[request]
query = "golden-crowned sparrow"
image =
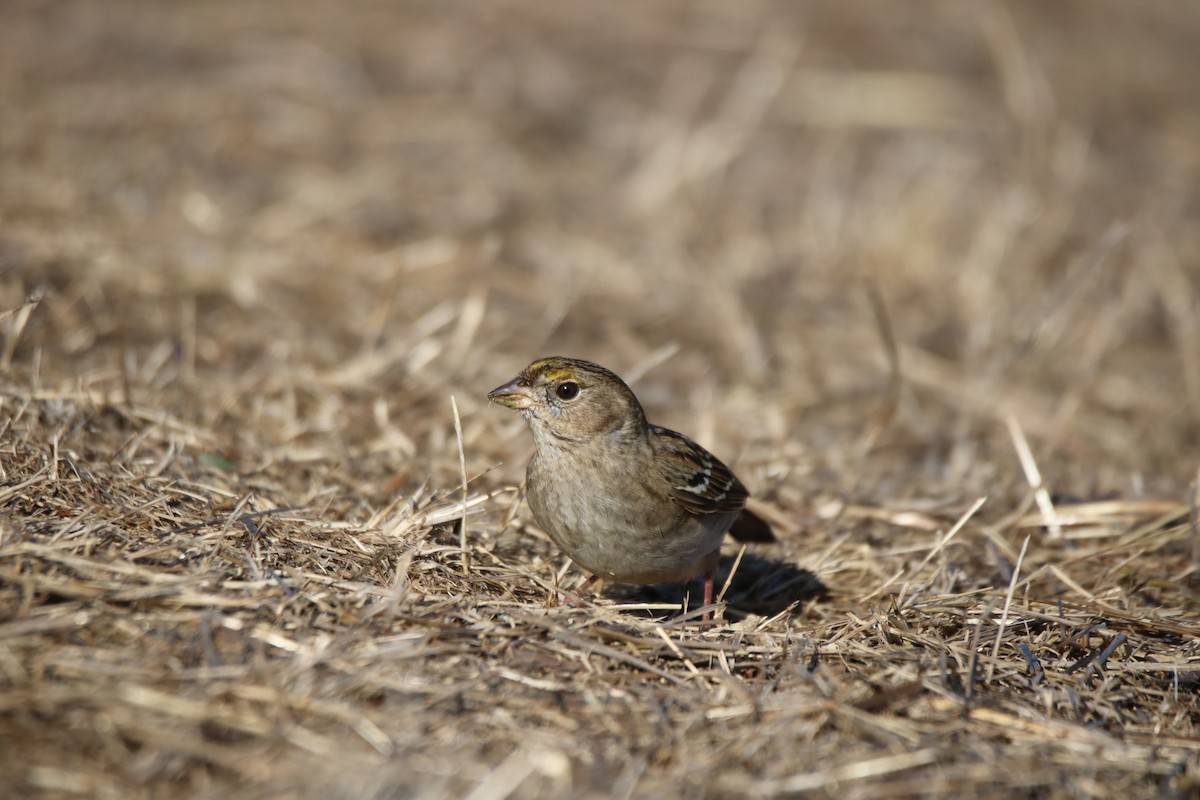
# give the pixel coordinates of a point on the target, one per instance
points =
(627, 500)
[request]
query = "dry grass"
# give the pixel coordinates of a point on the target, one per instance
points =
(925, 273)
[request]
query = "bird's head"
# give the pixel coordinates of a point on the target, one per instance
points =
(572, 401)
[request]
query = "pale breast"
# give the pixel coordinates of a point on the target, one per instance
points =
(615, 526)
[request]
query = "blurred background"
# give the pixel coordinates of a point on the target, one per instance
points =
(803, 230)
(408, 198)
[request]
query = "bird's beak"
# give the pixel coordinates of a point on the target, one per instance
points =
(515, 394)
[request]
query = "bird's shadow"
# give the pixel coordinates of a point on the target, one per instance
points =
(760, 586)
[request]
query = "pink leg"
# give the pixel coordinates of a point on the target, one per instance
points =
(573, 598)
(708, 593)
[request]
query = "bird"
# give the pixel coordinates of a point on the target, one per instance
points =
(627, 500)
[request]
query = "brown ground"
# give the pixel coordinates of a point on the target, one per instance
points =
(889, 260)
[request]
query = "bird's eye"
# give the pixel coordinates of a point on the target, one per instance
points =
(568, 390)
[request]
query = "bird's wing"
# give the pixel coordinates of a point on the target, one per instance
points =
(699, 482)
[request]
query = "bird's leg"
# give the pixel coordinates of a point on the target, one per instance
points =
(573, 599)
(708, 594)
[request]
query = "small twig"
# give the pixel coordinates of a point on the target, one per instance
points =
(937, 548)
(1036, 672)
(1034, 476)
(1012, 587)
(1081, 663)
(973, 666)
(652, 361)
(462, 466)
(244, 518)
(885, 413)
(16, 327)
(733, 571)
(587, 646)
(1117, 641)
(675, 649)
(236, 514)
(1196, 521)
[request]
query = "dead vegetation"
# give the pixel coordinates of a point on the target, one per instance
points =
(926, 274)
